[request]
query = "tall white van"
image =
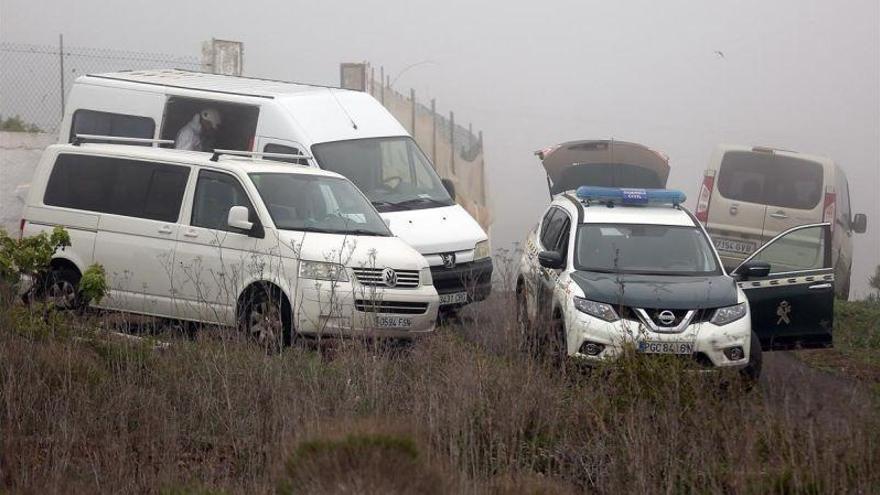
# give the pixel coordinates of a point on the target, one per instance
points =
(344, 131)
(750, 195)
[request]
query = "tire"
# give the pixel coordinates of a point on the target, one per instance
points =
(523, 323)
(60, 289)
(555, 345)
(266, 320)
(752, 372)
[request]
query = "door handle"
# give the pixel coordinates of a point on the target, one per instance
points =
(779, 214)
(191, 233)
(165, 230)
(820, 286)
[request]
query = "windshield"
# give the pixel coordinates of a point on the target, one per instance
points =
(644, 249)
(317, 204)
(393, 172)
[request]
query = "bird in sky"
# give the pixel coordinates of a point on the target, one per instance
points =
(719, 53)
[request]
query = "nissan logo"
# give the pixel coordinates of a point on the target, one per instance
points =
(389, 276)
(666, 317)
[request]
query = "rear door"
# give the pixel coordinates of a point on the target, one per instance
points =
(793, 307)
(737, 211)
(793, 194)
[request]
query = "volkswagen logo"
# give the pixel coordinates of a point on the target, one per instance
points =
(389, 276)
(448, 259)
(666, 317)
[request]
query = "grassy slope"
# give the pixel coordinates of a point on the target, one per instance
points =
(460, 412)
(856, 350)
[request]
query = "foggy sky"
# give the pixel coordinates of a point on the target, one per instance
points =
(796, 74)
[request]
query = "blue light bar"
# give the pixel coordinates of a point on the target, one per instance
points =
(631, 196)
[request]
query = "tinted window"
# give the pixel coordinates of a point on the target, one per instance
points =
(288, 150)
(770, 179)
(215, 194)
(111, 124)
(844, 215)
(117, 186)
(550, 234)
(646, 249)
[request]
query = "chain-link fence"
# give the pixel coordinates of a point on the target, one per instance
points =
(35, 79)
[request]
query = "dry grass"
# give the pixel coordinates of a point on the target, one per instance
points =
(459, 412)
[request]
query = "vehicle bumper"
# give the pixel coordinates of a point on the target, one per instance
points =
(709, 340)
(474, 278)
(355, 311)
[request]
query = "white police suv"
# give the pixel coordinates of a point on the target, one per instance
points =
(611, 267)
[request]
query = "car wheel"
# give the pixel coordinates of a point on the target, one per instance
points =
(524, 325)
(752, 372)
(556, 343)
(266, 321)
(60, 289)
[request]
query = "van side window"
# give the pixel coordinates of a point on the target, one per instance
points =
(111, 124)
(288, 150)
(216, 193)
(235, 130)
(843, 214)
(117, 186)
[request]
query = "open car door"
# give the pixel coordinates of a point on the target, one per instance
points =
(789, 283)
(604, 163)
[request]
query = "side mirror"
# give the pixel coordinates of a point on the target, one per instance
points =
(238, 218)
(551, 259)
(860, 223)
(753, 269)
(450, 187)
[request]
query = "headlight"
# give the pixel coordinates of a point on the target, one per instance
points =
(482, 250)
(597, 309)
(322, 270)
(728, 314)
(425, 277)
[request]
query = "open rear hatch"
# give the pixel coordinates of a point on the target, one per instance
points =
(605, 163)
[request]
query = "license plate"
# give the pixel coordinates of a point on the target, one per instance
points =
(453, 298)
(385, 321)
(666, 347)
(734, 245)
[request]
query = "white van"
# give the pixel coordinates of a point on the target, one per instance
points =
(749, 195)
(344, 131)
(276, 249)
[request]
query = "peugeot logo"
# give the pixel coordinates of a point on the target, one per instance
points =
(666, 317)
(389, 276)
(448, 259)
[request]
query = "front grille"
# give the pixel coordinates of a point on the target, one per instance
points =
(700, 316)
(392, 307)
(373, 277)
(466, 276)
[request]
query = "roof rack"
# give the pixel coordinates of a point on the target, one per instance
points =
(256, 154)
(96, 138)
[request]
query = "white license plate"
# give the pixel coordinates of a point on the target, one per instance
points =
(734, 245)
(453, 298)
(648, 347)
(385, 321)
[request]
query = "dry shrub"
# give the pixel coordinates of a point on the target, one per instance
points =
(380, 459)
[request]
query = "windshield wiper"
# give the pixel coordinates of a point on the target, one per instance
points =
(413, 201)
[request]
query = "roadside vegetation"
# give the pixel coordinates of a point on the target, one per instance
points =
(17, 124)
(84, 409)
(856, 350)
